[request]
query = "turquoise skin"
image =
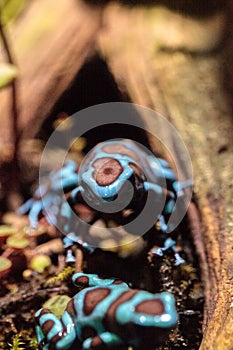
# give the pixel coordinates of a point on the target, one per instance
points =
(141, 169)
(154, 168)
(107, 313)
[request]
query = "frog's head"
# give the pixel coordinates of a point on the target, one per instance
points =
(113, 179)
(151, 318)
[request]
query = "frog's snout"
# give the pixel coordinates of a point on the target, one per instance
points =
(110, 199)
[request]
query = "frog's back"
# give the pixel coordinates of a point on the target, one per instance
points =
(120, 148)
(91, 305)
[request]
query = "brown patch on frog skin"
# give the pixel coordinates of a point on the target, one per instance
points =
(46, 326)
(97, 343)
(107, 171)
(88, 332)
(93, 298)
(82, 281)
(117, 282)
(70, 308)
(150, 307)
(109, 320)
(43, 312)
(57, 337)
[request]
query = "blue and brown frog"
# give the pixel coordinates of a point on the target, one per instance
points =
(105, 314)
(111, 173)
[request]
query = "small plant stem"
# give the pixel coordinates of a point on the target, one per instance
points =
(79, 260)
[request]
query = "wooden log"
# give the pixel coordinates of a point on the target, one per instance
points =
(228, 53)
(183, 80)
(51, 41)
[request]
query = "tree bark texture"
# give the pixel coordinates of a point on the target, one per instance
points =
(51, 41)
(185, 83)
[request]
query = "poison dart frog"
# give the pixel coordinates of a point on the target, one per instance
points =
(105, 314)
(111, 173)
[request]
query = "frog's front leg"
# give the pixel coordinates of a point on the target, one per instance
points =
(34, 206)
(158, 190)
(66, 220)
(49, 195)
(66, 213)
(59, 334)
(94, 280)
(180, 186)
(168, 209)
(66, 178)
(102, 341)
(163, 194)
(161, 168)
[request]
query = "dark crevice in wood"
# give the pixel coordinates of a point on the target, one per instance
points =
(187, 7)
(94, 84)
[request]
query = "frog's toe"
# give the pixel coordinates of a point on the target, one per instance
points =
(101, 342)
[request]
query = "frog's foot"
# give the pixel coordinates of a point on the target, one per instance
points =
(162, 222)
(54, 332)
(180, 186)
(161, 168)
(48, 206)
(102, 341)
(70, 258)
(93, 280)
(170, 244)
(34, 207)
(25, 207)
(70, 240)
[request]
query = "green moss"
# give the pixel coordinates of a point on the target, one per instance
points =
(57, 304)
(62, 276)
(33, 344)
(17, 343)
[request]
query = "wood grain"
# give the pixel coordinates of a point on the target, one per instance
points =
(51, 41)
(185, 84)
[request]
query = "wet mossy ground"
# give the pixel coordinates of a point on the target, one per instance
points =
(20, 299)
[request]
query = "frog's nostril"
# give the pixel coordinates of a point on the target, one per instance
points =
(107, 172)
